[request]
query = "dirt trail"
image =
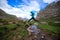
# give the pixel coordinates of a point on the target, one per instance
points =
(40, 36)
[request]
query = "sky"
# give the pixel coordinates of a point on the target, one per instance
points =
(22, 8)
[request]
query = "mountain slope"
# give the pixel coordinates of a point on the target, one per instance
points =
(51, 11)
(5, 15)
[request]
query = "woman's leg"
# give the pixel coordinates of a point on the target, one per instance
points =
(30, 19)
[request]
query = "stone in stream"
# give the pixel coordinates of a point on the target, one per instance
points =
(33, 30)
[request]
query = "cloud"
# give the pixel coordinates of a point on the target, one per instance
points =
(23, 10)
(49, 1)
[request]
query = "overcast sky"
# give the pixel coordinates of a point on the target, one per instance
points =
(22, 8)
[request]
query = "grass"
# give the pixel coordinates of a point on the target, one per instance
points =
(8, 27)
(9, 31)
(50, 29)
(23, 33)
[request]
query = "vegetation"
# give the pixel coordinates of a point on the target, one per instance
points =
(8, 31)
(11, 27)
(52, 18)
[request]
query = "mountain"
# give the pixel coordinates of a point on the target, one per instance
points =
(7, 18)
(5, 15)
(51, 11)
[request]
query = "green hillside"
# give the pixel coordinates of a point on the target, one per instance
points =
(11, 27)
(5, 15)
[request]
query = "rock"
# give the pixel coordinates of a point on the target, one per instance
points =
(50, 11)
